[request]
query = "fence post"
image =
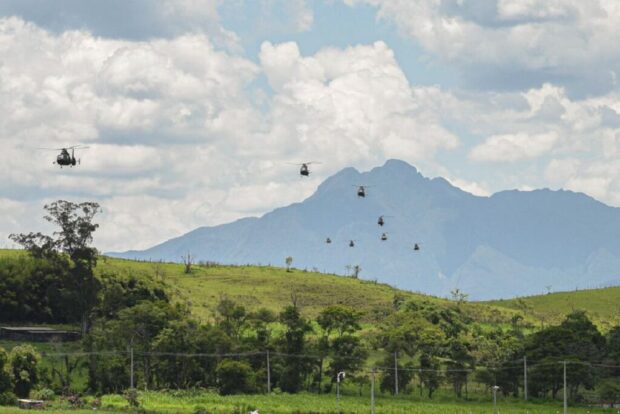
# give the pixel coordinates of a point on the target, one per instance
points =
(396, 373)
(565, 391)
(268, 375)
(131, 366)
(372, 391)
(525, 377)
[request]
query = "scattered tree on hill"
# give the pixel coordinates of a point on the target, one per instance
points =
(289, 262)
(72, 241)
(356, 271)
(188, 262)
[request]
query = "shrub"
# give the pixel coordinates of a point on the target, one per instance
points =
(44, 394)
(131, 395)
(23, 361)
(5, 379)
(234, 377)
(8, 398)
(199, 409)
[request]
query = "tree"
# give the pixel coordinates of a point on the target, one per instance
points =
(575, 339)
(430, 377)
(185, 372)
(23, 366)
(235, 377)
(289, 262)
(609, 391)
(293, 343)
(135, 327)
(231, 317)
(356, 271)
(458, 296)
(188, 262)
(73, 241)
(346, 350)
(340, 319)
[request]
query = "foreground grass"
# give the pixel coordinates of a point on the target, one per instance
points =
(158, 402)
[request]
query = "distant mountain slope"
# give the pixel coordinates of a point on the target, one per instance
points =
(512, 243)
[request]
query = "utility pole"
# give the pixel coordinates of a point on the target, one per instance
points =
(268, 375)
(339, 377)
(525, 377)
(495, 388)
(131, 364)
(396, 373)
(372, 391)
(565, 391)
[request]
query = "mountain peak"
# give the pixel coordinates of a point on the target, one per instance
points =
(537, 238)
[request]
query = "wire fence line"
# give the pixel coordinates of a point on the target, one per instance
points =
(504, 367)
(482, 378)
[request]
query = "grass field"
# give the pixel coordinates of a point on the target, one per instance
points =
(602, 305)
(311, 403)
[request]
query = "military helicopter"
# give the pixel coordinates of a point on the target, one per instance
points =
(304, 171)
(384, 237)
(361, 190)
(328, 240)
(65, 159)
(381, 220)
(351, 243)
(416, 246)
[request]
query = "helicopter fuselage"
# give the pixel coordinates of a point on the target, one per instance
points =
(65, 159)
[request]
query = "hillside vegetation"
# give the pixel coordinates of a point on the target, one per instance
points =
(602, 305)
(273, 288)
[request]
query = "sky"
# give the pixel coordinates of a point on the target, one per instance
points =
(195, 110)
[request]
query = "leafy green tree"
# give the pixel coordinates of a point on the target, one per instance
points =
(72, 241)
(235, 377)
(339, 319)
(135, 327)
(338, 324)
(23, 364)
(182, 372)
(430, 376)
(460, 362)
(289, 262)
(405, 375)
(231, 317)
(612, 352)
(575, 339)
(609, 391)
(293, 343)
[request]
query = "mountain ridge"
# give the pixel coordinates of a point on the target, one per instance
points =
(510, 243)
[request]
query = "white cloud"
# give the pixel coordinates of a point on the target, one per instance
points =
(513, 147)
(176, 140)
(507, 43)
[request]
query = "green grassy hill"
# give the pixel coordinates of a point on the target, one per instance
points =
(273, 288)
(602, 305)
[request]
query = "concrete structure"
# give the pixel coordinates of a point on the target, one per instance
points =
(37, 334)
